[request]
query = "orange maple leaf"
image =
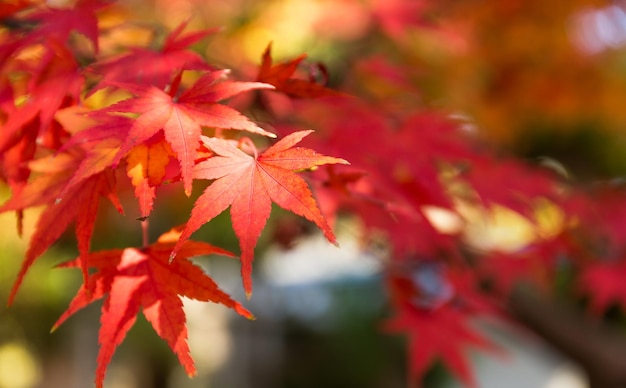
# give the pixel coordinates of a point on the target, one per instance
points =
(249, 185)
(146, 168)
(135, 278)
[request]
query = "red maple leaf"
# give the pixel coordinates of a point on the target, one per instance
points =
(442, 334)
(58, 23)
(79, 203)
(249, 185)
(434, 305)
(14, 171)
(55, 81)
(182, 117)
(134, 278)
(334, 187)
(282, 76)
(101, 128)
(153, 67)
(604, 283)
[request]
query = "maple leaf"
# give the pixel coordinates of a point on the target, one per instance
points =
(96, 159)
(436, 334)
(249, 185)
(104, 128)
(153, 67)
(135, 278)
(80, 204)
(58, 23)
(434, 304)
(56, 79)
(282, 77)
(182, 117)
(146, 167)
(333, 189)
(146, 163)
(14, 171)
(604, 283)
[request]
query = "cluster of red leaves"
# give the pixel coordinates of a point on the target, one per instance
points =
(167, 129)
(163, 132)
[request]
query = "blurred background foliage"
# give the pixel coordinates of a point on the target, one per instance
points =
(538, 79)
(530, 77)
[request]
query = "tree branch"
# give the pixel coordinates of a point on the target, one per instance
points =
(599, 348)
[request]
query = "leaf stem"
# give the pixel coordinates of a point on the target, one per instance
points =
(145, 241)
